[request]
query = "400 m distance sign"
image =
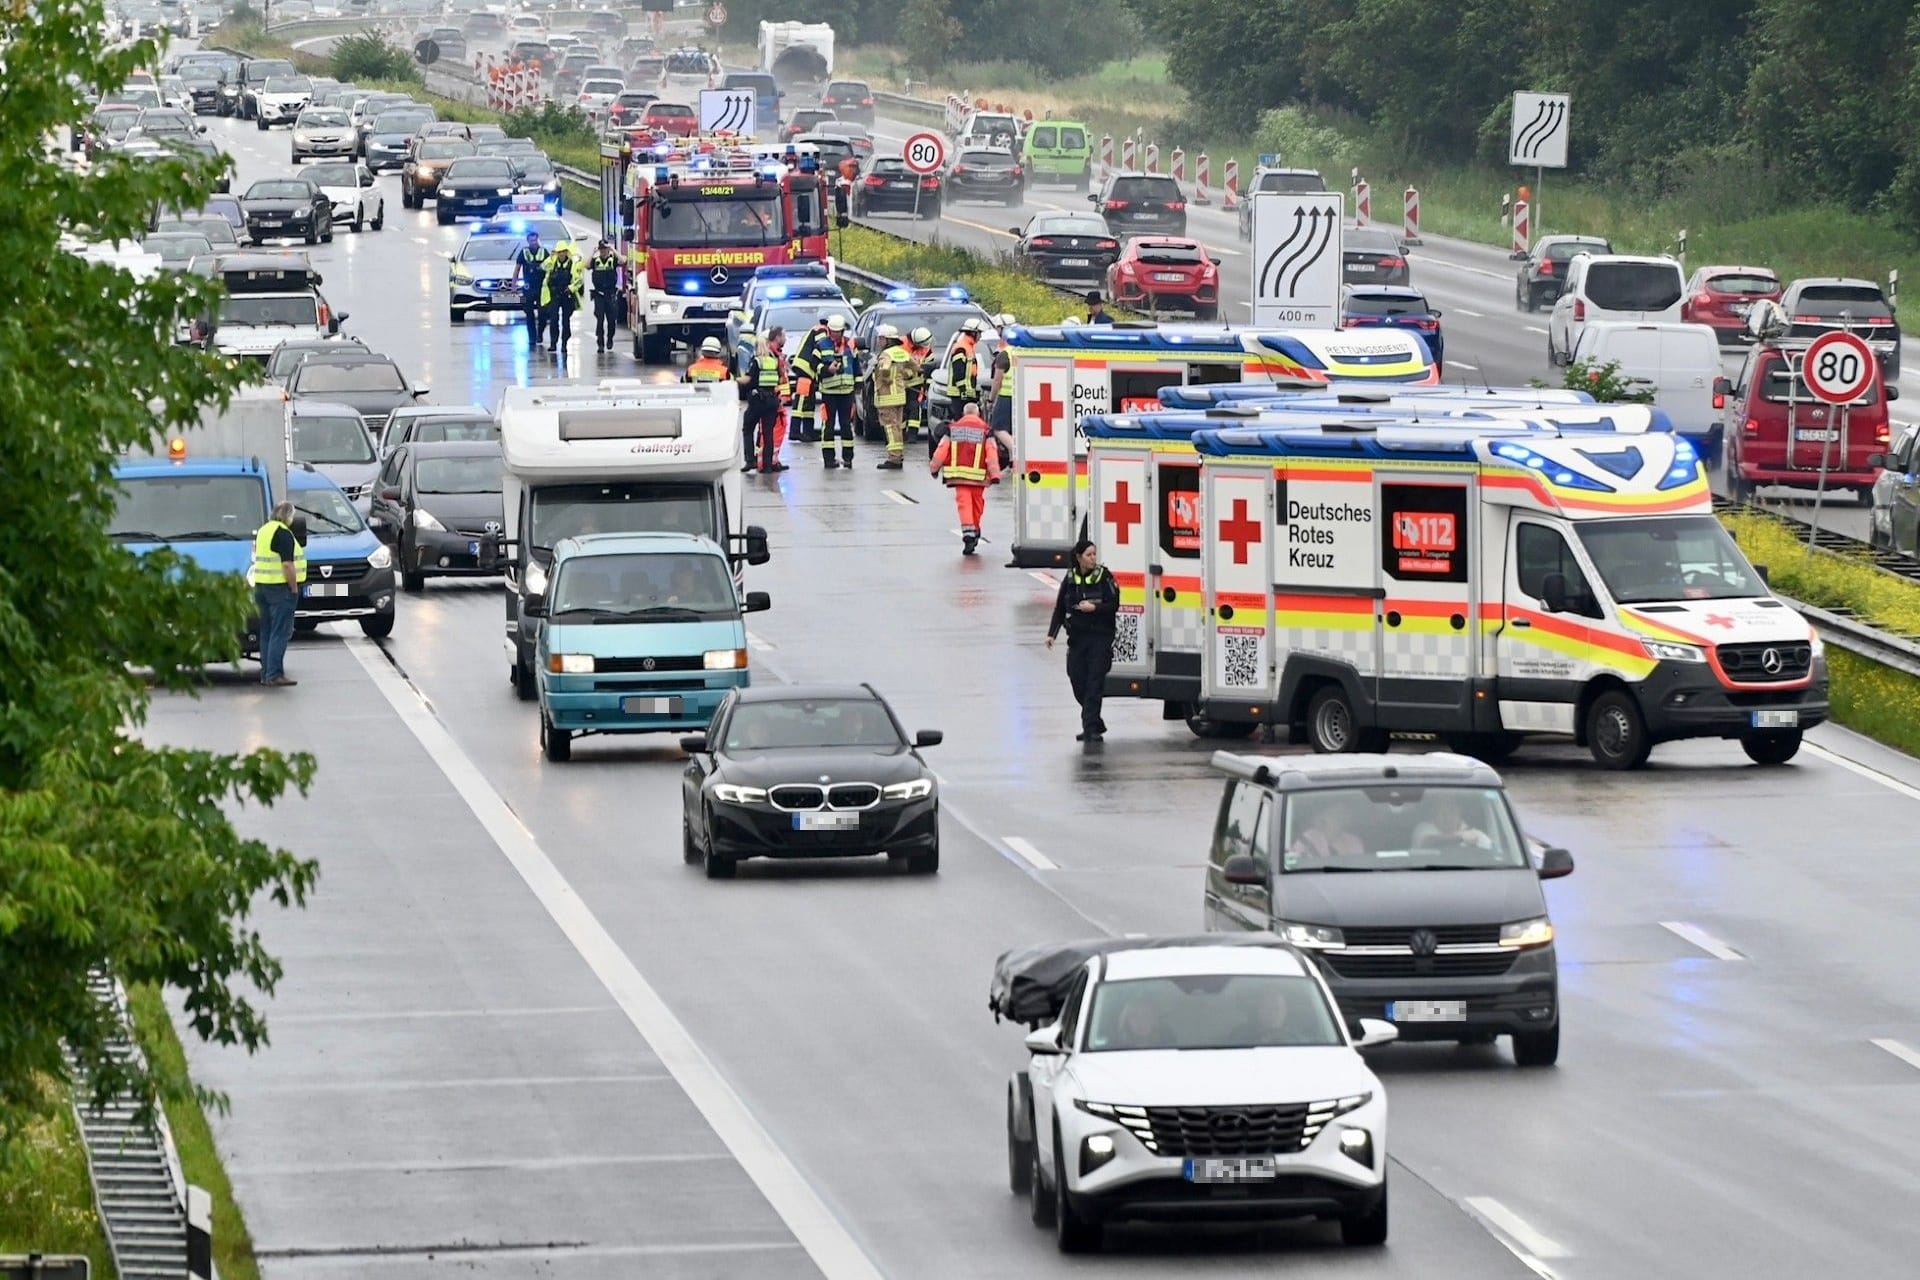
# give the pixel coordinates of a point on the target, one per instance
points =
(925, 152)
(1838, 367)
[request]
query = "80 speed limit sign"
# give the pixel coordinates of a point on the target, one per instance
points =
(1838, 367)
(925, 152)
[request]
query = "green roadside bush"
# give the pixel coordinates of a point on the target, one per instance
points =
(1824, 578)
(369, 55)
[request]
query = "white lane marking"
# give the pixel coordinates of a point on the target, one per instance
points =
(1866, 771)
(1028, 854)
(763, 646)
(1906, 1054)
(1043, 576)
(1534, 328)
(367, 1261)
(1459, 266)
(1462, 311)
(901, 498)
(1702, 939)
(525, 1164)
(1515, 1232)
(479, 1082)
(824, 1237)
(1462, 364)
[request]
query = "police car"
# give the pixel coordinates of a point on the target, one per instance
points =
(795, 283)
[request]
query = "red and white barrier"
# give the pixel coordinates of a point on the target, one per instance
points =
(1522, 229)
(1106, 154)
(1179, 164)
(1232, 194)
(1362, 203)
(1153, 157)
(1128, 154)
(1202, 179)
(1410, 216)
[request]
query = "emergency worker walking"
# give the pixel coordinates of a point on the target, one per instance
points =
(1088, 602)
(891, 372)
(603, 270)
(967, 461)
(761, 383)
(560, 296)
(838, 371)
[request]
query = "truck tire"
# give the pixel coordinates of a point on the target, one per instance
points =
(1334, 729)
(654, 348)
(1617, 732)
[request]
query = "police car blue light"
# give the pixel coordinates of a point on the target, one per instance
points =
(958, 294)
(778, 291)
(899, 295)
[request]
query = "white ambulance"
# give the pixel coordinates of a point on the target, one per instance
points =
(1061, 373)
(1148, 518)
(1485, 585)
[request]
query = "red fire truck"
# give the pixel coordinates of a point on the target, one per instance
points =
(695, 217)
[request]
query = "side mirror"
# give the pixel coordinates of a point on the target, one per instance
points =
(533, 609)
(757, 602)
(1553, 593)
(1046, 1040)
(1722, 386)
(929, 738)
(1241, 869)
(694, 744)
(203, 128)
(756, 540)
(366, 177)
(420, 391)
(1766, 579)
(1093, 198)
(1893, 393)
(1555, 862)
(1876, 459)
(389, 494)
(1435, 312)
(1015, 232)
(1369, 1033)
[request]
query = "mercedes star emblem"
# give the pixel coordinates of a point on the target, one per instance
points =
(720, 275)
(825, 778)
(1423, 942)
(1770, 662)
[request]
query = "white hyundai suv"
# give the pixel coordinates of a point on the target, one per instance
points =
(1612, 287)
(1190, 1078)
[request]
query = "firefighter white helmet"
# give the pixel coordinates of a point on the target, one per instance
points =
(921, 336)
(710, 347)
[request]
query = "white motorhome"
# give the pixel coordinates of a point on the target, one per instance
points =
(796, 53)
(623, 456)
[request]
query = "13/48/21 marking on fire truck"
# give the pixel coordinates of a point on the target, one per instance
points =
(1838, 367)
(1297, 255)
(925, 152)
(727, 111)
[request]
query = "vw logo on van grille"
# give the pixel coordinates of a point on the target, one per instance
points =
(1424, 942)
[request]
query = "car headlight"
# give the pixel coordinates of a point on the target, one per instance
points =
(425, 519)
(724, 659)
(503, 191)
(1667, 651)
(382, 558)
(1095, 1150)
(1819, 648)
(1537, 932)
(1315, 937)
(460, 271)
(918, 789)
(570, 664)
(728, 793)
(536, 578)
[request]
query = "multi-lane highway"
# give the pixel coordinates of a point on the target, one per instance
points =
(518, 1035)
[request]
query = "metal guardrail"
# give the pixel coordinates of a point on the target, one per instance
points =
(1846, 632)
(907, 102)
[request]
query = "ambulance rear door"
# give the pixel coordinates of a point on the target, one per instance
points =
(1237, 669)
(1044, 527)
(1118, 481)
(1176, 616)
(1429, 598)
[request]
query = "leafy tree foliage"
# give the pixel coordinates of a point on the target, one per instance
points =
(369, 55)
(114, 853)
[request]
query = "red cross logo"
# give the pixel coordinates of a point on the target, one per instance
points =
(1122, 514)
(1046, 408)
(1241, 530)
(1718, 620)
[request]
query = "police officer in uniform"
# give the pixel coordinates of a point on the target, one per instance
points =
(806, 360)
(603, 271)
(838, 369)
(1089, 601)
(530, 270)
(761, 382)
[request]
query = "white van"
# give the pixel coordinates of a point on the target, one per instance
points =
(1612, 286)
(1677, 362)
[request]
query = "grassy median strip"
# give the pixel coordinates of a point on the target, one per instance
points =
(46, 1198)
(199, 1157)
(1824, 578)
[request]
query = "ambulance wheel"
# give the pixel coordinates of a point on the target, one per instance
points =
(1333, 729)
(1617, 732)
(1776, 746)
(1492, 748)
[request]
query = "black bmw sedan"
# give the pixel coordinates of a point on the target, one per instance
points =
(808, 772)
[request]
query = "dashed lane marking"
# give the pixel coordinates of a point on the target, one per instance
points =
(1462, 311)
(1025, 851)
(1702, 939)
(1905, 1053)
(1534, 328)
(1515, 1232)
(901, 498)
(1462, 364)
(760, 644)
(1043, 576)
(824, 1237)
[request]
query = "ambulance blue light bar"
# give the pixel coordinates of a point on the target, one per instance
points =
(1207, 395)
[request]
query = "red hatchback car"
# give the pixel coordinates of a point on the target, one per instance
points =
(1720, 297)
(1166, 271)
(675, 119)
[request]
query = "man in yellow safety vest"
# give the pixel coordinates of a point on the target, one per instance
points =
(279, 569)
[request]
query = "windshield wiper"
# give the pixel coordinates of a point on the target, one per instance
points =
(658, 610)
(593, 611)
(1457, 866)
(138, 535)
(195, 535)
(331, 522)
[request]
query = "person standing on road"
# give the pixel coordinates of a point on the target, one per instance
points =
(530, 273)
(891, 372)
(963, 366)
(999, 403)
(560, 296)
(762, 386)
(967, 461)
(920, 348)
(279, 569)
(806, 370)
(838, 370)
(604, 271)
(1089, 601)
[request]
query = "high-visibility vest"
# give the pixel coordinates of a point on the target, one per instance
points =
(266, 565)
(766, 373)
(963, 375)
(967, 444)
(890, 378)
(707, 369)
(840, 382)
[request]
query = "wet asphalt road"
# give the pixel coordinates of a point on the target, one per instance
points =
(458, 1075)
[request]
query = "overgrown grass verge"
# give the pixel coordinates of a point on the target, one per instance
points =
(199, 1157)
(1877, 701)
(994, 283)
(46, 1199)
(1827, 579)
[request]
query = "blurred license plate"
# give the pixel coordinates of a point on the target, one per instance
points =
(903, 184)
(326, 588)
(650, 706)
(1427, 1011)
(1075, 262)
(1741, 308)
(1143, 216)
(1174, 276)
(1816, 435)
(507, 295)
(826, 822)
(1232, 1169)
(1776, 718)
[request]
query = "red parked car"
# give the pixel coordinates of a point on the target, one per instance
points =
(675, 119)
(1156, 272)
(1720, 297)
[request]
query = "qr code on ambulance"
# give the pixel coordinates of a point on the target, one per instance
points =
(1241, 657)
(1126, 635)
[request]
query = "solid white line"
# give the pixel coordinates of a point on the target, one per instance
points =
(1462, 364)
(1519, 1236)
(1042, 576)
(1907, 1055)
(900, 498)
(1702, 939)
(1866, 771)
(1029, 855)
(826, 1240)
(764, 646)
(1462, 311)
(1534, 328)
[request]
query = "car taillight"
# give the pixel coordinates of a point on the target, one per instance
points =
(1427, 326)
(1116, 204)
(1702, 300)
(1546, 266)
(1040, 242)
(1392, 264)
(1177, 206)
(1106, 244)
(1752, 426)
(866, 102)
(1353, 321)
(875, 180)
(1579, 309)
(1809, 319)
(1880, 433)
(1719, 400)
(961, 168)
(930, 183)
(1017, 171)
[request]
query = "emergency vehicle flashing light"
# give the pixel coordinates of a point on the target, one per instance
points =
(177, 449)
